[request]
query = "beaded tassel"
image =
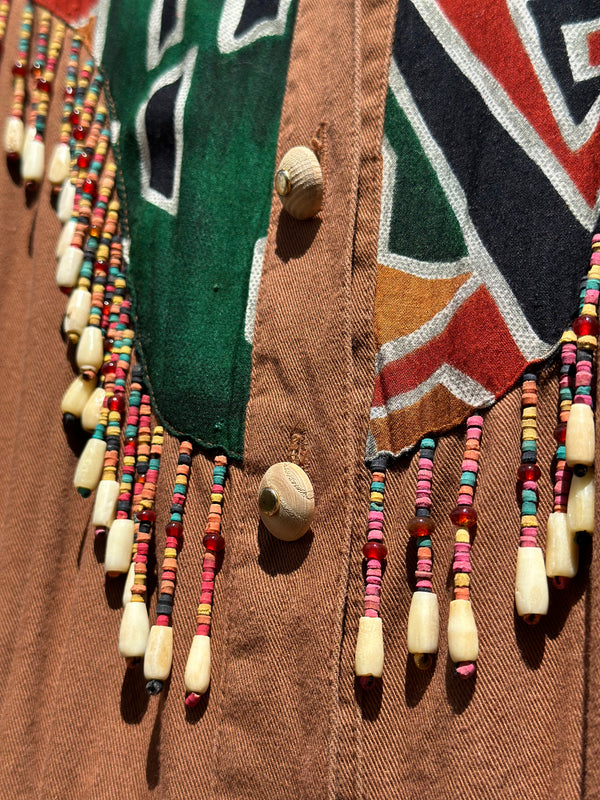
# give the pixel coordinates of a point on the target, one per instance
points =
(14, 130)
(562, 552)
(60, 161)
(141, 470)
(463, 642)
(86, 196)
(32, 169)
(424, 618)
(159, 650)
(580, 436)
(37, 68)
(90, 464)
(135, 625)
(66, 198)
(83, 115)
(531, 586)
(197, 669)
(108, 489)
(83, 165)
(368, 660)
(119, 542)
(4, 11)
(84, 307)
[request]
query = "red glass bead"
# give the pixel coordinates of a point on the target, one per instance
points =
(15, 156)
(108, 343)
(146, 515)
(560, 433)
(43, 85)
(213, 542)
(586, 325)
(78, 133)
(89, 187)
(69, 91)
(95, 231)
(529, 472)
(36, 69)
(116, 403)
(421, 526)
(109, 368)
(74, 118)
(374, 550)
(101, 266)
(174, 528)
(19, 69)
(464, 516)
(83, 160)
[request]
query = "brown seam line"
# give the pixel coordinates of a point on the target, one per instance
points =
(347, 456)
(389, 23)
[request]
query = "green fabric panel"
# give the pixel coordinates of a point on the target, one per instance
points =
(423, 225)
(189, 272)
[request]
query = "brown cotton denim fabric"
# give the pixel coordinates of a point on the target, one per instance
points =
(284, 717)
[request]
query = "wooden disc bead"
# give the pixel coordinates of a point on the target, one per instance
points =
(286, 501)
(299, 183)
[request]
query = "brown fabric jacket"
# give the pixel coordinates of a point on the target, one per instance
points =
(284, 717)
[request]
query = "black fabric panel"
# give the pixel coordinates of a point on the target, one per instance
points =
(254, 11)
(168, 19)
(160, 129)
(533, 238)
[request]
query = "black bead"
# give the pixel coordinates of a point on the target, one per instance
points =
(154, 687)
(379, 463)
(580, 470)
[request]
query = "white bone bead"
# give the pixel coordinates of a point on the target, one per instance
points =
(89, 466)
(117, 555)
(32, 164)
(90, 416)
(90, 349)
(77, 314)
(423, 631)
(562, 552)
(68, 267)
(197, 669)
(128, 582)
(159, 653)
(463, 642)
(14, 133)
(580, 505)
(105, 504)
(28, 137)
(76, 396)
(60, 164)
(531, 583)
(134, 630)
(579, 444)
(368, 659)
(65, 201)
(65, 237)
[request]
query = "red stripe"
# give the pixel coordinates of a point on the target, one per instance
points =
(477, 320)
(488, 29)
